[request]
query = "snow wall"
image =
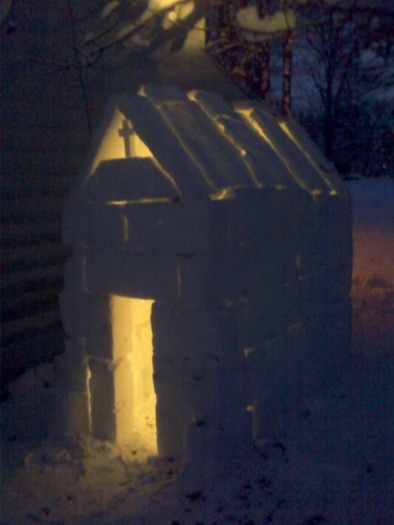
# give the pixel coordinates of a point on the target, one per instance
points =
(207, 296)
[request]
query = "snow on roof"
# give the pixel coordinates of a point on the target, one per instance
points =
(202, 146)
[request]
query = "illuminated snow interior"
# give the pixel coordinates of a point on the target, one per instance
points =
(220, 237)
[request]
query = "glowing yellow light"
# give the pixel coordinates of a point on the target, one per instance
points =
(283, 125)
(173, 16)
(247, 114)
(242, 151)
(290, 135)
(226, 193)
(139, 201)
(88, 376)
(185, 9)
(120, 141)
(135, 399)
(248, 351)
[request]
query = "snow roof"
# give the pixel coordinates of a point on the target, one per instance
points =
(193, 144)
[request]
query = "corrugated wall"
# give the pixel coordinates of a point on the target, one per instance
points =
(44, 136)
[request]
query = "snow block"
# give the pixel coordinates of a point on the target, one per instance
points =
(148, 227)
(135, 179)
(180, 331)
(74, 272)
(265, 217)
(76, 364)
(177, 227)
(214, 105)
(171, 430)
(332, 211)
(111, 398)
(102, 399)
(101, 225)
(323, 168)
(325, 251)
(132, 275)
(300, 170)
(195, 279)
(92, 316)
(320, 292)
(218, 162)
(171, 387)
(81, 310)
(213, 280)
(256, 160)
(329, 337)
(100, 341)
(276, 373)
(109, 330)
(74, 308)
(199, 228)
(263, 320)
(69, 221)
(164, 143)
(118, 326)
(77, 413)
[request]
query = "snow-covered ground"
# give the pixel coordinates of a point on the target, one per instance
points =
(334, 466)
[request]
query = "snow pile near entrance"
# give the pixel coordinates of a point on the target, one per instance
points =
(334, 465)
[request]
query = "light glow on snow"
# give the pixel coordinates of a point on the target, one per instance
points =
(135, 399)
(120, 141)
(110, 8)
(160, 5)
(226, 193)
(247, 115)
(88, 376)
(139, 201)
(291, 136)
(258, 29)
(177, 15)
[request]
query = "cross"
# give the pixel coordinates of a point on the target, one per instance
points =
(126, 132)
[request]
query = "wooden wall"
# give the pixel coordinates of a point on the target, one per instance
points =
(44, 136)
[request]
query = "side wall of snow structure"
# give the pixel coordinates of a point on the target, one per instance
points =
(198, 374)
(298, 315)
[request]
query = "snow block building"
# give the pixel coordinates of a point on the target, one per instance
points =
(207, 296)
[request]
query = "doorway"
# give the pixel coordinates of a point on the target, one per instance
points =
(135, 399)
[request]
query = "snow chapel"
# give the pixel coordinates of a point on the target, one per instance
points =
(207, 295)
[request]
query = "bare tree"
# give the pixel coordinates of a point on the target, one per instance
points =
(336, 39)
(242, 38)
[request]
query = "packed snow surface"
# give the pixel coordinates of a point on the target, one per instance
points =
(334, 465)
